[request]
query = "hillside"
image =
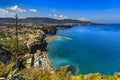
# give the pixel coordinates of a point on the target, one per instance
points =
(41, 20)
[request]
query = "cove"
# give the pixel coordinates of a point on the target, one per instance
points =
(93, 49)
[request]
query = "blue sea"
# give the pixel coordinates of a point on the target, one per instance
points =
(94, 48)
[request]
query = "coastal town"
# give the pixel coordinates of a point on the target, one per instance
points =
(24, 54)
(32, 38)
(59, 39)
(26, 44)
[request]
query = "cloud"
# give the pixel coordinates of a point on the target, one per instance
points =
(111, 10)
(49, 15)
(62, 17)
(65, 17)
(32, 10)
(3, 11)
(16, 8)
(83, 19)
(6, 13)
(55, 15)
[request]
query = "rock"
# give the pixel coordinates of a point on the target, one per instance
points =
(5, 55)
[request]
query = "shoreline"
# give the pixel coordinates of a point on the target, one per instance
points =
(50, 39)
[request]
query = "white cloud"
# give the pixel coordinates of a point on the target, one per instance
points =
(32, 10)
(16, 8)
(3, 11)
(83, 19)
(65, 17)
(55, 15)
(50, 15)
(62, 17)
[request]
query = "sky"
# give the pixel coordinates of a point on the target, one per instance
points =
(101, 11)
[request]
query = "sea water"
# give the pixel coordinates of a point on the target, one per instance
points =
(94, 48)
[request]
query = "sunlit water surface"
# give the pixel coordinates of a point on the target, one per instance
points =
(94, 49)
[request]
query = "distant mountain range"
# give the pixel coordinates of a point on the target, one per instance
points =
(41, 20)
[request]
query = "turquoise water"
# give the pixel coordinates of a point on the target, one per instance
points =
(94, 49)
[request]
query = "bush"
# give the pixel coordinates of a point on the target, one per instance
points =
(5, 69)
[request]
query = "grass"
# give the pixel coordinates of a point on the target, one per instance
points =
(5, 69)
(39, 74)
(62, 74)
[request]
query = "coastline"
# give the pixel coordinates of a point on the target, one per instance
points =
(50, 39)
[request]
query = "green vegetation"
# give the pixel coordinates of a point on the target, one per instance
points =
(5, 69)
(9, 71)
(38, 74)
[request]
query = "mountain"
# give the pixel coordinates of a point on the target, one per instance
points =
(40, 20)
(7, 20)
